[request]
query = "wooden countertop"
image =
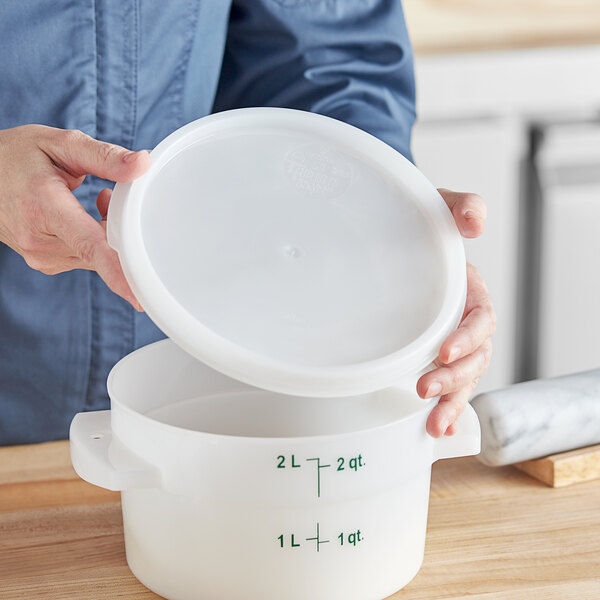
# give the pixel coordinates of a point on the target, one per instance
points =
(493, 534)
(443, 26)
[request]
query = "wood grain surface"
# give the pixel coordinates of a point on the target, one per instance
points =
(565, 468)
(493, 534)
(441, 26)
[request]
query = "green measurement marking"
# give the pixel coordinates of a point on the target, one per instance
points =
(292, 544)
(319, 467)
(317, 539)
(281, 462)
(351, 538)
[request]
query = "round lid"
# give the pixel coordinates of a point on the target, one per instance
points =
(291, 251)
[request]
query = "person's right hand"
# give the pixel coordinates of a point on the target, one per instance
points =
(39, 216)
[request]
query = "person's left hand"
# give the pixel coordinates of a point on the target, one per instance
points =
(465, 354)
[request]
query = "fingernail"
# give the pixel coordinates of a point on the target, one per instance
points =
(453, 354)
(434, 389)
(469, 214)
(444, 426)
(129, 157)
(136, 305)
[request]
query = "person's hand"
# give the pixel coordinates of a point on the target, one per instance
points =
(39, 216)
(466, 352)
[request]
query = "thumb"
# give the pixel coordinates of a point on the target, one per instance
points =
(469, 211)
(79, 154)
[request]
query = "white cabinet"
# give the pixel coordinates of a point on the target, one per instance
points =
(484, 157)
(568, 169)
(476, 116)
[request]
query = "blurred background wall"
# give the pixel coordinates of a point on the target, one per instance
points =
(508, 96)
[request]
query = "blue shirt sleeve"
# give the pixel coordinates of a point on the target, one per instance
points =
(348, 59)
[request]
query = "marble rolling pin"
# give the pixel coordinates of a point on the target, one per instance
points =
(537, 418)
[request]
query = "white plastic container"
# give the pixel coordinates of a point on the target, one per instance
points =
(262, 495)
(314, 272)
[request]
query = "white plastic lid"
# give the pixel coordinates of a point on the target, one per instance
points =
(291, 251)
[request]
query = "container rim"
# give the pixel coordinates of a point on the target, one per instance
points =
(122, 407)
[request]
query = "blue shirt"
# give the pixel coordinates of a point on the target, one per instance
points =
(131, 72)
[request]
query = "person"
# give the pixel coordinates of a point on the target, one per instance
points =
(87, 86)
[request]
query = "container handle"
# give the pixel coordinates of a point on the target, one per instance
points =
(102, 460)
(465, 442)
